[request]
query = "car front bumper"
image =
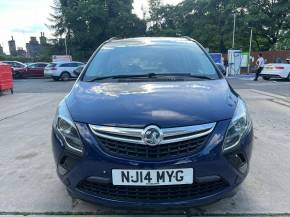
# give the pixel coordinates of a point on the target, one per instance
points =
(214, 170)
(47, 73)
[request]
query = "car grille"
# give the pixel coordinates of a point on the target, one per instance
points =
(177, 149)
(153, 193)
(129, 142)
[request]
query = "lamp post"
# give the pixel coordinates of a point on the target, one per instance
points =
(67, 32)
(65, 44)
(250, 49)
(234, 31)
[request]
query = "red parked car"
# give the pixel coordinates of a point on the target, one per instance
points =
(16, 66)
(32, 70)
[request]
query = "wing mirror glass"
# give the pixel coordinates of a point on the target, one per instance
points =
(221, 68)
(78, 70)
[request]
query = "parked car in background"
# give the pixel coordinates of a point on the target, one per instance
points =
(32, 70)
(16, 66)
(276, 70)
(78, 70)
(61, 70)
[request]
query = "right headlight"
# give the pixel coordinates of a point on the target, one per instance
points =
(239, 126)
(66, 128)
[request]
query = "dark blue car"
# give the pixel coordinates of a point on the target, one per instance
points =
(151, 122)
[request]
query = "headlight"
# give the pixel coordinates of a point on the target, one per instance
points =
(238, 127)
(65, 126)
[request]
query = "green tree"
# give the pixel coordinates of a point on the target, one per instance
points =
(208, 21)
(87, 23)
(270, 20)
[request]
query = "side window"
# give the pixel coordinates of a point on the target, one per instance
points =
(65, 65)
(33, 66)
(70, 65)
(39, 65)
(74, 64)
(42, 65)
(18, 65)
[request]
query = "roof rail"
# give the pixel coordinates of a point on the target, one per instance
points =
(188, 38)
(113, 38)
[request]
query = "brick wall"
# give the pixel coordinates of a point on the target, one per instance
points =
(273, 56)
(270, 56)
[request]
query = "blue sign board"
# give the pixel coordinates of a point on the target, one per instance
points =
(217, 57)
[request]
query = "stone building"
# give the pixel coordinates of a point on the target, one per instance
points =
(33, 47)
(21, 52)
(1, 50)
(42, 39)
(12, 47)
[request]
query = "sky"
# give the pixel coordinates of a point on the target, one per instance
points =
(24, 18)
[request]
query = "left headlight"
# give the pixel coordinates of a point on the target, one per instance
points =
(65, 126)
(239, 126)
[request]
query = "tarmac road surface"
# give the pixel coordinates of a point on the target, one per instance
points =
(29, 184)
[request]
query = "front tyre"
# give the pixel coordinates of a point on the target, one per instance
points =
(288, 78)
(65, 76)
(17, 75)
(55, 78)
(266, 78)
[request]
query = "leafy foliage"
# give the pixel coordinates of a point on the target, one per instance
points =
(211, 22)
(87, 23)
(271, 21)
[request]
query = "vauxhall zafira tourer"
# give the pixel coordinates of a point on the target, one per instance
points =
(152, 122)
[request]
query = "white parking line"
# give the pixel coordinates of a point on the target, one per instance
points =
(269, 94)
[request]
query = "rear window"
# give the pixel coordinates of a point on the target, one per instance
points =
(70, 65)
(136, 59)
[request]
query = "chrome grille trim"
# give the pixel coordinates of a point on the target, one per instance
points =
(134, 135)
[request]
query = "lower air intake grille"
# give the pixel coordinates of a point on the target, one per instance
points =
(155, 193)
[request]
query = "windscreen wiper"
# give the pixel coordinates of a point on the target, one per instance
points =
(185, 75)
(151, 75)
(120, 77)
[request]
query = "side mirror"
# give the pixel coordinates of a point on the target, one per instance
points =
(78, 71)
(221, 68)
(224, 71)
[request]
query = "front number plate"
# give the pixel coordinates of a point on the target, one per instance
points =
(152, 177)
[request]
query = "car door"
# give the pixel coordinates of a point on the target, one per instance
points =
(20, 69)
(38, 71)
(30, 70)
(14, 65)
(65, 67)
(288, 69)
(71, 67)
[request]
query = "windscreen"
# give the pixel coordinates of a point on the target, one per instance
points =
(124, 59)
